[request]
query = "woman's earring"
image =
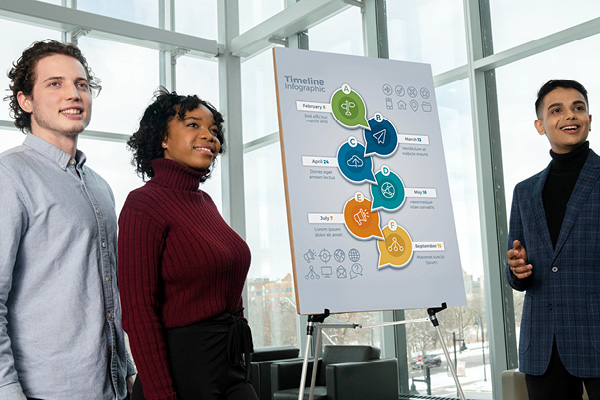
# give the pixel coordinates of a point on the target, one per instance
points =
(164, 144)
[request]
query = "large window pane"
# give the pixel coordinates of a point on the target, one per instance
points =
(524, 151)
(196, 17)
(534, 19)
(253, 13)
(13, 48)
(129, 77)
(259, 110)
(272, 303)
(430, 31)
(339, 34)
(140, 11)
(464, 328)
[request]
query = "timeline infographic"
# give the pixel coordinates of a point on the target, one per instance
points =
(368, 200)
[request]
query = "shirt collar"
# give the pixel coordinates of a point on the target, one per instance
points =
(52, 152)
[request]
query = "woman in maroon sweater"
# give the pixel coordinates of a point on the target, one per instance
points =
(181, 267)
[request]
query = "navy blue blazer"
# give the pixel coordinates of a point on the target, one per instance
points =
(562, 298)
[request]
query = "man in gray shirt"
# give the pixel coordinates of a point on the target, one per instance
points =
(60, 315)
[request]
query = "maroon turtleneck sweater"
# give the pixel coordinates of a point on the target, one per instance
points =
(179, 263)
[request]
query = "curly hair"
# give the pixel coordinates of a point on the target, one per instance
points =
(146, 142)
(22, 75)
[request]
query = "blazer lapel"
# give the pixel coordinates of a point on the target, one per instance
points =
(587, 178)
(539, 211)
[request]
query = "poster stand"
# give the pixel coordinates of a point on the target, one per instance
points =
(316, 321)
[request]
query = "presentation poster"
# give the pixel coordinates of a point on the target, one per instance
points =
(369, 208)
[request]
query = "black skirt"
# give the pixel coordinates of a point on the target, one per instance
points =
(207, 360)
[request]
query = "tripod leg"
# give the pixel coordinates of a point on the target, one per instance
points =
(450, 364)
(305, 362)
(315, 364)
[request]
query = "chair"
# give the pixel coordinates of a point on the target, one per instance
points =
(514, 387)
(344, 372)
(260, 366)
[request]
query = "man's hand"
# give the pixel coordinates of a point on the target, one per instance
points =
(130, 381)
(517, 261)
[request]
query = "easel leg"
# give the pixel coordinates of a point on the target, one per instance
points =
(436, 324)
(312, 320)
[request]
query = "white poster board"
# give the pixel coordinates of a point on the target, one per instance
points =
(369, 208)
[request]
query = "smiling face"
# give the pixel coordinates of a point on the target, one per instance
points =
(60, 103)
(564, 119)
(192, 141)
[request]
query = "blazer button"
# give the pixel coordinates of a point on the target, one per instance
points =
(554, 269)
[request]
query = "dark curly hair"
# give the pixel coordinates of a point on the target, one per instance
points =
(146, 142)
(22, 75)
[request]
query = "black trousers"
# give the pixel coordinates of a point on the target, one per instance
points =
(203, 364)
(558, 384)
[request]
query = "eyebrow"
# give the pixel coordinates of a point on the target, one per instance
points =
(62, 78)
(560, 104)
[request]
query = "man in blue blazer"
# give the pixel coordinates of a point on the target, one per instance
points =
(554, 252)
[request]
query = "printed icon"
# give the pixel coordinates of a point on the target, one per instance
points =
(387, 89)
(347, 105)
(354, 255)
(341, 272)
(426, 106)
(395, 247)
(325, 255)
(309, 256)
(356, 270)
(355, 162)
(399, 90)
(412, 91)
(379, 136)
(424, 93)
(387, 190)
(382, 139)
(389, 104)
(414, 105)
(312, 274)
(361, 216)
(401, 105)
(326, 271)
(339, 255)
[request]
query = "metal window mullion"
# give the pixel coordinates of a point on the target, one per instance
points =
(490, 185)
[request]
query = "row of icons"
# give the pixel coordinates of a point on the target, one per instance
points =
(340, 272)
(325, 255)
(414, 105)
(400, 91)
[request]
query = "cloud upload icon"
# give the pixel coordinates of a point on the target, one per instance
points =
(355, 162)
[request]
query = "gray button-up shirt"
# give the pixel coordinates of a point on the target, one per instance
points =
(60, 315)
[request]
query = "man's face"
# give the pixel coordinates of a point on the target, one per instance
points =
(61, 101)
(564, 119)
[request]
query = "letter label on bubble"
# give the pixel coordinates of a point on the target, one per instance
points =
(396, 249)
(382, 138)
(349, 108)
(389, 193)
(353, 164)
(359, 220)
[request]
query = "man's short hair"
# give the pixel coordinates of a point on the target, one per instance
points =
(554, 84)
(22, 75)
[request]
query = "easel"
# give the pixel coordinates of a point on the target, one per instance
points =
(316, 321)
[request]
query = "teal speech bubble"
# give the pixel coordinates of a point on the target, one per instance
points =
(388, 193)
(349, 108)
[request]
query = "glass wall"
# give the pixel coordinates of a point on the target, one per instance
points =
(428, 31)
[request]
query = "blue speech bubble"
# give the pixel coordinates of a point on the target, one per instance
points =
(382, 139)
(353, 164)
(388, 193)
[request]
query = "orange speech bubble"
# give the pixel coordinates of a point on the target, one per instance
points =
(397, 248)
(360, 221)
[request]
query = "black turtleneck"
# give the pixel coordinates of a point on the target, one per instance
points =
(564, 171)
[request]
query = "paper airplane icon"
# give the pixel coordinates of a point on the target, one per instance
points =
(379, 136)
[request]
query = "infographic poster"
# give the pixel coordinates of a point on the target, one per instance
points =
(369, 208)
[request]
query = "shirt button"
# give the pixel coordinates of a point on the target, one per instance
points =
(103, 245)
(554, 269)
(107, 278)
(72, 162)
(97, 211)
(109, 315)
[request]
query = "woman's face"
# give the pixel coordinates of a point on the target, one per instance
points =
(192, 141)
